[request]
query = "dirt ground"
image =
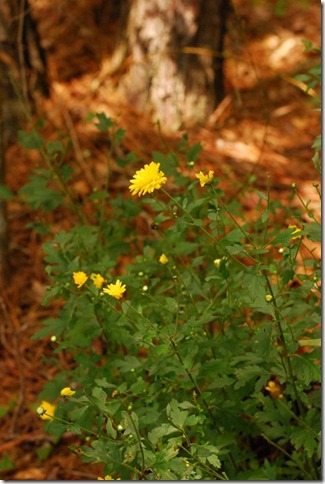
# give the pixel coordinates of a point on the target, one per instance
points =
(265, 125)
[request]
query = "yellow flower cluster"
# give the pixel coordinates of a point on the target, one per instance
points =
(115, 290)
(150, 178)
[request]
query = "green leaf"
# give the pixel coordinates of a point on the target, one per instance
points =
(44, 452)
(185, 248)
(5, 192)
(52, 326)
(287, 275)
(192, 153)
(265, 216)
(310, 342)
(103, 122)
(55, 147)
(214, 460)
(30, 141)
(130, 158)
(38, 194)
(303, 438)
(110, 429)
(159, 432)
(100, 398)
(234, 237)
(74, 428)
(283, 237)
(119, 135)
(175, 415)
(313, 231)
(305, 368)
(6, 463)
(130, 423)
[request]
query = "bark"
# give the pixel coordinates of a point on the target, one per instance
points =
(175, 53)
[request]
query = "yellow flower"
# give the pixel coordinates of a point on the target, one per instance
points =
(98, 280)
(147, 179)
(115, 290)
(108, 478)
(79, 278)
(296, 231)
(67, 392)
(274, 389)
(163, 259)
(268, 297)
(46, 410)
(205, 179)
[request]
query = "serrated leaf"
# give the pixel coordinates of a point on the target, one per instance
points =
(159, 432)
(103, 122)
(110, 429)
(100, 398)
(305, 368)
(176, 415)
(214, 461)
(302, 438)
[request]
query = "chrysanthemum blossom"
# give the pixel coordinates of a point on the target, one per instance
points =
(67, 392)
(205, 179)
(148, 179)
(79, 278)
(274, 389)
(46, 410)
(163, 259)
(115, 290)
(98, 280)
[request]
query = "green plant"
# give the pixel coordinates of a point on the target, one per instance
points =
(195, 341)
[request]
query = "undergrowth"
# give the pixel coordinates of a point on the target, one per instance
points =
(195, 343)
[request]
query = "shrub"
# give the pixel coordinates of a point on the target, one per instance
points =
(196, 342)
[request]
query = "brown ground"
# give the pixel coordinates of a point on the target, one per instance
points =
(266, 124)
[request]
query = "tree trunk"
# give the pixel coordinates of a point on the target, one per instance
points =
(22, 76)
(175, 54)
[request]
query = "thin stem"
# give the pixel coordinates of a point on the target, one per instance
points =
(284, 344)
(201, 395)
(205, 230)
(204, 467)
(138, 436)
(287, 455)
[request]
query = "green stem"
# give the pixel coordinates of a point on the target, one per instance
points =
(284, 344)
(287, 455)
(206, 231)
(201, 395)
(204, 467)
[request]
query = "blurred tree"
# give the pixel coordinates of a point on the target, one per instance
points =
(174, 54)
(22, 76)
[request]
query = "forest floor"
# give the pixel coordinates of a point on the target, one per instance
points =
(266, 124)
